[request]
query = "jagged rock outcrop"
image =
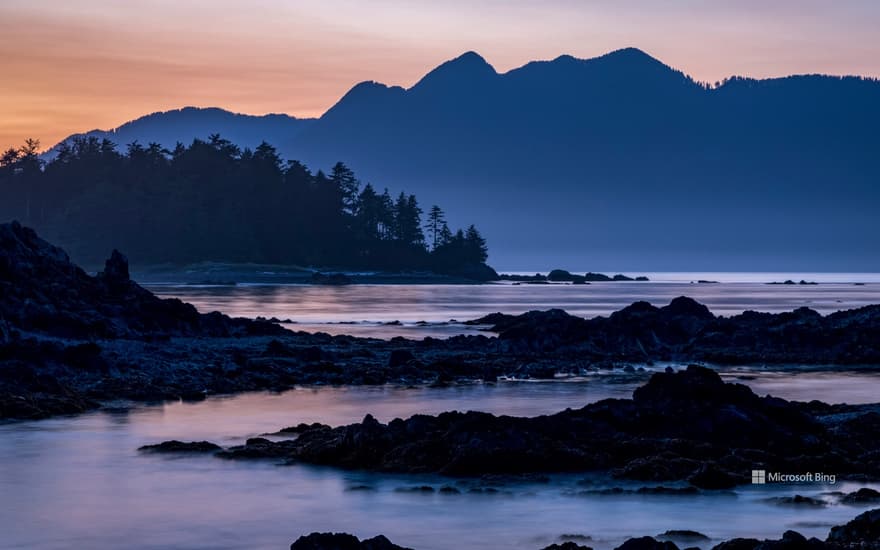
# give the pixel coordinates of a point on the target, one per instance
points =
(342, 541)
(686, 425)
(44, 292)
(686, 330)
(861, 533)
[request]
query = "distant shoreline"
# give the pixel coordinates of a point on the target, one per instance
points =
(250, 274)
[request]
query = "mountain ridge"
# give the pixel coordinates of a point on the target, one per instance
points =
(666, 172)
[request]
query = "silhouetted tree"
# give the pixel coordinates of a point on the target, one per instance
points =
(211, 200)
(477, 250)
(343, 177)
(434, 225)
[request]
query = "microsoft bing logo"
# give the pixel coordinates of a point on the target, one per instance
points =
(759, 477)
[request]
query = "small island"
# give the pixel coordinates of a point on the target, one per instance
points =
(563, 276)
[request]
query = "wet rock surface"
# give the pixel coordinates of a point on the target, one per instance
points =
(687, 330)
(69, 341)
(342, 541)
(862, 533)
(864, 495)
(181, 447)
(686, 426)
(44, 292)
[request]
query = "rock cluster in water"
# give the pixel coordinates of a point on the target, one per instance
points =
(69, 341)
(687, 330)
(681, 426)
(862, 533)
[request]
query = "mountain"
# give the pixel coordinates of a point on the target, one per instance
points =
(623, 163)
(188, 123)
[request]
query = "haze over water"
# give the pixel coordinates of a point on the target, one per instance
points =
(426, 310)
(80, 482)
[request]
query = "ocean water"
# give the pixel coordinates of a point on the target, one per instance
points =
(80, 482)
(416, 311)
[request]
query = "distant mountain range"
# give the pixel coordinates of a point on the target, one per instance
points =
(618, 162)
(183, 125)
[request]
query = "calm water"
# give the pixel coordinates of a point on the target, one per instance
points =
(426, 310)
(79, 482)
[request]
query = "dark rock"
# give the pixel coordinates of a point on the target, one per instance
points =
(685, 535)
(43, 292)
(116, 270)
(687, 307)
(685, 425)
(175, 446)
(738, 544)
(798, 500)
(302, 428)
(791, 540)
(472, 272)
(559, 275)
(400, 357)
(713, 477)
(567, 545)
(647, 543)
(864, 495)
(861, 532)
(342, 541)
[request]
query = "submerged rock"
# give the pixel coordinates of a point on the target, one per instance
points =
(798, 500)
(175, 446)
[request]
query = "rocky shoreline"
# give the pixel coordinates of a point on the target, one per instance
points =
(863, 533)
(685, 427)
(69, 341)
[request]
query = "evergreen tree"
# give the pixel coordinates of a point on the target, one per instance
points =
(475, 244)
(434, 225)
(212, 201)
(344, 179)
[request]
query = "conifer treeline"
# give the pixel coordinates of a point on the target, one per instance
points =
(212, 201)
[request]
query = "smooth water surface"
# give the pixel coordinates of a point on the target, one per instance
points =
(416, 311)
(80, 482)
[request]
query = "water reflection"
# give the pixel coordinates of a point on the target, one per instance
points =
(426, 310)
(79, 482)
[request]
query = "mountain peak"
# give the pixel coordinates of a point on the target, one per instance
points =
(629, 53)
(459, 71)
(630, 57)
(366, 95)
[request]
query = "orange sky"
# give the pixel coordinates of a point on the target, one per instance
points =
(71, 66)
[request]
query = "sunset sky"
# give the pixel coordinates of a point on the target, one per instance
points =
(70, 66)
